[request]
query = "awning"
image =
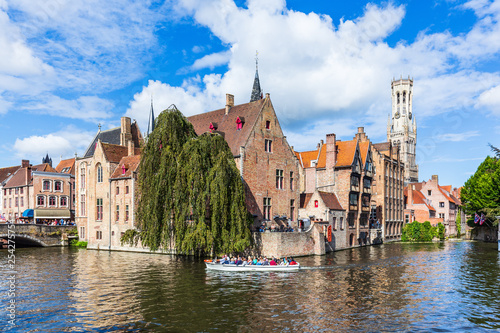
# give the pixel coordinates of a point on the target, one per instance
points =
(28, 213)
(52, 214)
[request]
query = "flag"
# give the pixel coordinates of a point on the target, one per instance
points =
(476, 218)
(482, 219)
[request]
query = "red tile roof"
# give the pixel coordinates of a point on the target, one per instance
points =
(114, 153)
(68, 164)
(6, 172)
(226, 124)
(131, 164)
(419, 199)
(306, 157)
(346, 152)
(304, 199)
(331, 201)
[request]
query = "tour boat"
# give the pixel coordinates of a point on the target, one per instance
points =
(251, 268)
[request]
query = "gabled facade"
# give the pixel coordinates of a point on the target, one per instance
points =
(428, 201)
(95, 213)
(266, 162)
(5, 175)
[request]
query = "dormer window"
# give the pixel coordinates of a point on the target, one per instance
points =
(268, 124)
(213, 127)
(239, 123)
(124, 169)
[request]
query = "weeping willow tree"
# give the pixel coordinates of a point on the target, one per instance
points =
(190, 191)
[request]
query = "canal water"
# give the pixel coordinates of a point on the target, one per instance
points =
(439, 287)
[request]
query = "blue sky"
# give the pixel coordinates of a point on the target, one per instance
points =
(68, 65)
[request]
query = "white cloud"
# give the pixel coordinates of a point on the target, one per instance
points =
(457, 137)
(212, 60)
(64, 143)
(490, 99)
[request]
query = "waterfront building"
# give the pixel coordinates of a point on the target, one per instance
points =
(266, 162)
(402, 126)
(344, 168)
(96, 197)
(428, 201)
(388, 186)
(5, 175)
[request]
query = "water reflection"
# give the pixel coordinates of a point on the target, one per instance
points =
(393, 287)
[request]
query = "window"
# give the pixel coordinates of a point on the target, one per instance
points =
(40, 200)
(334, 225)
(98, 235)
(82, 178)
(279, 179)
(268, 145)
(10, 202)
(117, 216)
(292, 209)
(82, 233)
(239, 123)
(99, 173)
(441, 204)
(365, 201)
(441, 215)
(82, 205)
(99, 209)
(268, 124)
(22, 190)
(316, 204)
(341, 224)
(367, 183)
(52, 201)
(22, 201)
(267, 208)
(291, 180)
(124, 169)
(10, 191)
(4, 203)
(429, 192)
(46, 185)
(126, 189)
(350, 219)
(63, 201)
(58, 186)
(117, 190)
(16, 202)
(407, 218)
(17, 190)
(126, 213)
(353, 199)
(354, 181)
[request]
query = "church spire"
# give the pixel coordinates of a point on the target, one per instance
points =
(151, 122)
(256, 90)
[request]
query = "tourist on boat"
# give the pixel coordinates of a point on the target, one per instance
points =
(292, 262)
(273, 262)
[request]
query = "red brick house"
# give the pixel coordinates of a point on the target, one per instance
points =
(266, 162)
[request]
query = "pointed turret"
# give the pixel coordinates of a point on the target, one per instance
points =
(151, 122)
(256, 90)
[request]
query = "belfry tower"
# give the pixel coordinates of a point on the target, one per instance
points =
(402, 126)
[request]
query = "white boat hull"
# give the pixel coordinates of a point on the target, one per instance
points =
(251, 268)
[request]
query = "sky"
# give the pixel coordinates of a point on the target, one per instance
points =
(67, 66)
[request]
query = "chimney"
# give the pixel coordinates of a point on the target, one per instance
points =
(411, 188)
(25, 163)
(331, 152)
(361, 134)
(229, 102)
(435, 179)
(361, 129)
(125, 132)
(131, 147)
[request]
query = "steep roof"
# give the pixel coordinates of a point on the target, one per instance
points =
(419, 199)
(67, 165)
(20, 178)
(6, 172)
(445, 192)
(331, 201)
(131, 164)
(43, 167)
(306, 157)
(226, 124)
(112, 136)
(346, 152)
(363, 150)
(114, 153)
(383, 146)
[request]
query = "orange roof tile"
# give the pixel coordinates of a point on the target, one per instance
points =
(442, 189)
(306, 157)
(363, 150)
(346, 153)
(331, 201)
(321, 157)
(114, 153)
(419, 199)
(131, 164)
(68, 165)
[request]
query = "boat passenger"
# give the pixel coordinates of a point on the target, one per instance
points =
(255, 261)
(266, 262)
(292, 262)
(273, 262)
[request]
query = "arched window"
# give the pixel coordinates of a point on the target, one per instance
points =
(82, 177)
(397, 97)
(99, 173)
(404, 96)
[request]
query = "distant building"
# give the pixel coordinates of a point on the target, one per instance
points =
(5, 175)
(402, 126)
(428, 201)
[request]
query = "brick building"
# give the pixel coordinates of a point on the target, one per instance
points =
(344, 168)
(96, 198)
(428, 201)
(5, 175)
(266, 162)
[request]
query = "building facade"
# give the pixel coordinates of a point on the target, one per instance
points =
(5, 175)
(402, 126)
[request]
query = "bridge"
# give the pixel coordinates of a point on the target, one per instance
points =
(37, 234)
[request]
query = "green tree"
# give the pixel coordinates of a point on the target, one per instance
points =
(440, 231)
(191, 195)
(419, 232)
(481, 192)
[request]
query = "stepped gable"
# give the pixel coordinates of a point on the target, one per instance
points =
(346, 153)
(363, 150)
(131, 163)
(8, 171)
(66, 166)
(330, 200)
(226, 123)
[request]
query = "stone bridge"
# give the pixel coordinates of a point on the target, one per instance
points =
(37, 234)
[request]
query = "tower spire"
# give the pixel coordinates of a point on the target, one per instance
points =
(256, 90)
(151, 122)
